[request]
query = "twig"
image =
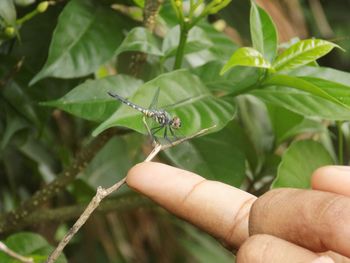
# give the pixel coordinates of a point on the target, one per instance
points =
(14, 255)
(14, 219)
(65, 213)
(102, 193)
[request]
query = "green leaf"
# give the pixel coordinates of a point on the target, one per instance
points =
(203, 247)
(282, 121)
(263, 32)
(222, 49)
(254, 119)
(87, 35)
(142, 40)
(300, 160)
(302, 53)
(217, 156)
(108, 166)
(330, 74)
(90, 99)
(13, 125)
(248, 57)
(303, 103)
(309, 85)
(287, 124)
(193, 104)
(234, 82)
(29, 245)
(197, 40)
(338, 91)
(140, 3)
(8, 12)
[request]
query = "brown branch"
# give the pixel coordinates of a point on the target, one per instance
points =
(150, 12)
(66, 213)
(102, 193)
(14, 220)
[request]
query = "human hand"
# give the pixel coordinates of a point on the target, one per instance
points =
(284, 225)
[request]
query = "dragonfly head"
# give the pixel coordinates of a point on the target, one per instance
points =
(176, 123)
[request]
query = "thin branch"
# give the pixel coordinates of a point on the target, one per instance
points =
(65, 213)
(14, 255)
(150, 12)
(102, 193)
(14, 219)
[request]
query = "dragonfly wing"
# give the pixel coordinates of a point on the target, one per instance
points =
(154, 102)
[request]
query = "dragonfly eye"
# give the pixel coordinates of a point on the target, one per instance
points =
(176, 123)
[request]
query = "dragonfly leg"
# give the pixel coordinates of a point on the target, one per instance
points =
(172, 133)
(146, 125)
(166, 134)
(154, 131)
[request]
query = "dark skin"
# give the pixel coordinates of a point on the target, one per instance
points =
(282, 226)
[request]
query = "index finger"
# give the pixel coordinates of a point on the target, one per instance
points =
(217, 208)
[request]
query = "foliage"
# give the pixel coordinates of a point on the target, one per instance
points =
(274, 109)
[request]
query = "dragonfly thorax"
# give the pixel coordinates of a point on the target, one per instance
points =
(162, 117)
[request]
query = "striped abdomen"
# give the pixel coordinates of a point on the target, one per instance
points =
(130, 104)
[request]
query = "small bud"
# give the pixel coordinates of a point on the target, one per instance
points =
(42, 6)
(178, 3)
(10, 31)
(217, 1)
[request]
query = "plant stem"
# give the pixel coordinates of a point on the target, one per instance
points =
(181, 49)
(340, 143)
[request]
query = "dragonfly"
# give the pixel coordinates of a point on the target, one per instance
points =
(163, 118)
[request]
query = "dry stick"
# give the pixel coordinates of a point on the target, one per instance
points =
(102, 193)
(14, 255)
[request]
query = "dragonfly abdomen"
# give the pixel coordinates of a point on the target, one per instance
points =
(129, 103)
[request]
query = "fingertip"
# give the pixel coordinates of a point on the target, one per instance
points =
(332, 178)
(319, 174)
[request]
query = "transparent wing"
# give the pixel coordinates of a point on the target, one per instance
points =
(154, 102)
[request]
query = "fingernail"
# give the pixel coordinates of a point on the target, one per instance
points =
(323, 259)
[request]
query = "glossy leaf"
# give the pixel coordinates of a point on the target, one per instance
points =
(108, 166)
(234, 82)
(330, 74)
(311, 85)
(263, 32)
(87, 35)
(8, 12)
(90, 99)
(248, 57)
(302, 53)
(140, 39)
(255, 121)
(197, 40)
(194, 104)
(282, 121)
(203, 247)
(287, 124)
(303, 103)
(216, 156)
(300, 160)
(222, 49)
(29, 245)
(336, 90)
